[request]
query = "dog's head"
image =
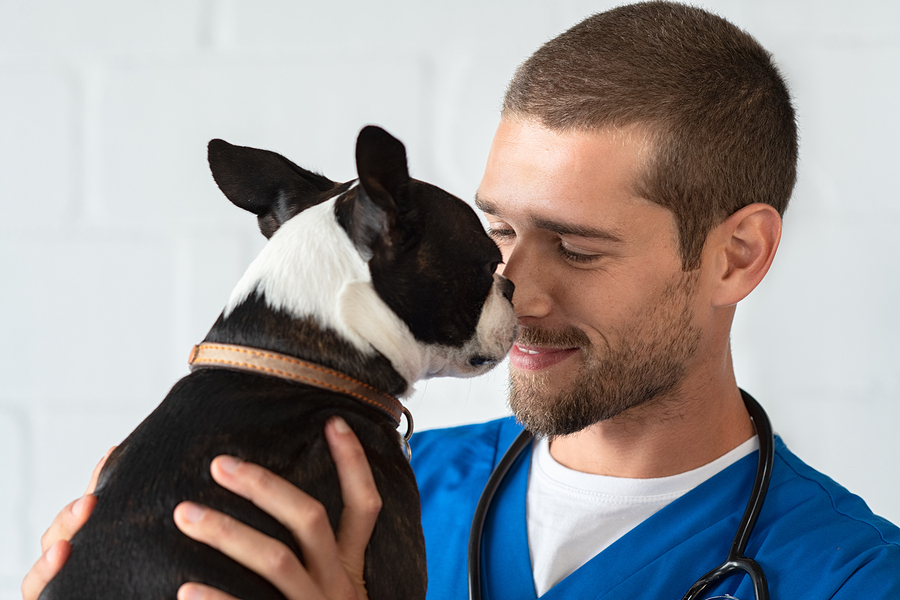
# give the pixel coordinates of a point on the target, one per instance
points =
(391, 264)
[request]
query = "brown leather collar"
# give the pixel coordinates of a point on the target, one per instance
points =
(255, 360)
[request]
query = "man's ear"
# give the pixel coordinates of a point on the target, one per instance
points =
(740, 252)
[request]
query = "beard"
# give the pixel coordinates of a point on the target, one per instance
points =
(646, 364)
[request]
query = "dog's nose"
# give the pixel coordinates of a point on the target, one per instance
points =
(507, 288)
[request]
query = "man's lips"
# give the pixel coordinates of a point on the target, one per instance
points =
(534, 358)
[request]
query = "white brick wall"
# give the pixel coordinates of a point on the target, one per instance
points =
(117, 251)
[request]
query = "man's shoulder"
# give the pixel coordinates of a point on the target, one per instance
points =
(472, 432)
(475, 443)
(807, 514)
(808, 490)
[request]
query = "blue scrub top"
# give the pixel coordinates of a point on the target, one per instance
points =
(814, 539)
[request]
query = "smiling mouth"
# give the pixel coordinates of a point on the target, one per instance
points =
(535, 358)
(530, 350)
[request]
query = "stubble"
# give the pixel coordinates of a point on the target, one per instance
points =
(640, 364)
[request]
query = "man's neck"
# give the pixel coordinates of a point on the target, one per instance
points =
(665, 437)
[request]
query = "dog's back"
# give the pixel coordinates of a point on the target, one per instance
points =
(277, 424)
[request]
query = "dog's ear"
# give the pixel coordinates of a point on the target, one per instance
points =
(265, 183)
(381, 213)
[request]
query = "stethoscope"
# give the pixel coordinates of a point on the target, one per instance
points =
(734, 563)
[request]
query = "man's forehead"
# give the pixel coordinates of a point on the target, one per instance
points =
(527, 157)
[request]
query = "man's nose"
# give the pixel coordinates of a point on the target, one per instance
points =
(523, 267)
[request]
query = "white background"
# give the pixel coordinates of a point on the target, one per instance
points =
(117, 251)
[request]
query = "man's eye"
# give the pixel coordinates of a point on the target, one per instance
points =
(498, 234)
(576, 257)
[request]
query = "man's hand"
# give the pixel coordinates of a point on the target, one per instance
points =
(334, 568)
(55, 547)
(334, 565)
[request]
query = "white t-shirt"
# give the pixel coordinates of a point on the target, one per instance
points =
(573, 516)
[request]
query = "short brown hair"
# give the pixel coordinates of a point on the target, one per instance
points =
(716, 108)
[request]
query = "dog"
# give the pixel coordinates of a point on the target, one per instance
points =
(365, 287)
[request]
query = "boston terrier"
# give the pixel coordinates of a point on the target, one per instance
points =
(362, 289)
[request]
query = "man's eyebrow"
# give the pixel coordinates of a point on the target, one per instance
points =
(484, 206)
(557, 227)
(561, 228)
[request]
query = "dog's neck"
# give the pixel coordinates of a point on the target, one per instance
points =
(323, 310)
(289, 368)
(255, 324)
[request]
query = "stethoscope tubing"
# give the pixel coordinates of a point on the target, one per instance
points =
(736, 560)
(487, 495)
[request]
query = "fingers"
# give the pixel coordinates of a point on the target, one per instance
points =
(362, 502)
(92, 485)
(75, 514)
(68, 521)
(333, 567)
(198, 591)
(304, 516)
(47, 566)
(300, 513)
(55, 547)
(253, 549)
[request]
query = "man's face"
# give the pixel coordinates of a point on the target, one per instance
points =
(605, 311)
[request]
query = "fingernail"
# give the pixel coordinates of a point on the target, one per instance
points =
(53, 553)
(78, 507)
(340, 425)
(192, 512)
(190, 592)
(229, 464)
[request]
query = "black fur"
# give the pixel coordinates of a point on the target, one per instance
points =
(430, 260)
(413, 281)
(265, 183)
(130, 547)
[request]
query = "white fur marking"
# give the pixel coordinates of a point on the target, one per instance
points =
(303, 268)
(310, 268)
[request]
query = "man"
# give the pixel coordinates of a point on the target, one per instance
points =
(635, 184)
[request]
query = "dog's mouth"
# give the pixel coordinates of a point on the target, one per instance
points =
(487, 361)
(482, 361)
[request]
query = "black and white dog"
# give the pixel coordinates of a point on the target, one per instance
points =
(363, 288)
